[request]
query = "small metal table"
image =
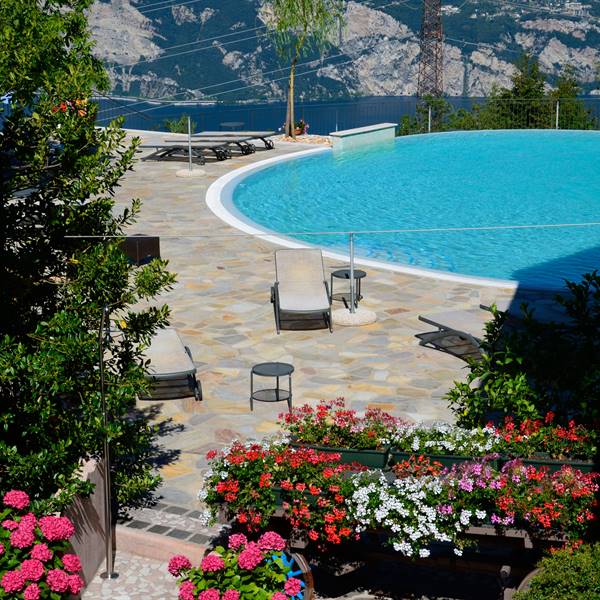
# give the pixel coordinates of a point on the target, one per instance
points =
(231, 125)
(345, 296)
(276, 394)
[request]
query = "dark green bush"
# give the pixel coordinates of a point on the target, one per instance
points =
(567, 575)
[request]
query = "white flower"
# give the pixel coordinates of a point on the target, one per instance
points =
(458, 552)
(424, 553)
(202, 494)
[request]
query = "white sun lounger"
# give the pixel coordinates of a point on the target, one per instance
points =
(300, 286)
(171, 366)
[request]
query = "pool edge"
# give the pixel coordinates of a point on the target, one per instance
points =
(219, 194)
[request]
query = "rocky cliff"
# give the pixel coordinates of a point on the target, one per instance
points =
(220, 49)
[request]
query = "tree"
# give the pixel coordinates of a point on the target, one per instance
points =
(299, 26)
(572, 113)
(59, 174)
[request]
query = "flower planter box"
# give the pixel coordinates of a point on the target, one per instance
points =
(376, 459)
(447, 460)
(554, 465)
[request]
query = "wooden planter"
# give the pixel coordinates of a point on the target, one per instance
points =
(375, 459)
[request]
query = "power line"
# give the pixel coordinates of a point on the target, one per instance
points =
(145, 12)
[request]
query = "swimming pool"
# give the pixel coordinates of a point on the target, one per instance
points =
(451, 180)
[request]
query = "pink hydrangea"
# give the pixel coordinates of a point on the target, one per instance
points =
(292, 586)
(16, 499)
(236, 540)
(271, 541)
(250, 557)
(32, 569)
(211, 563)
(231, 595)
(28, 521)
(41, 552)
(75, 584)
(279, 596)
(209, 594)
(57, 580)
(179, 563)
(12, 581)
(186, 591)
(1, 549)
(71, 563)
(9, 524)
(56, 529)
(32, 592)
(22, 537)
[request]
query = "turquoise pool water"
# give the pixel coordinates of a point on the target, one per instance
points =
(462, 179)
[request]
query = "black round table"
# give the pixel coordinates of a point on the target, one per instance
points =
(345, 296)
(274, 394)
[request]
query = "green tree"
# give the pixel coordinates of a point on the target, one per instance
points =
(59, 174)
(572, 113)
(300, 26)
(179, 125)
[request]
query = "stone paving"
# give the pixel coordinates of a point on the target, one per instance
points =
(220, 306)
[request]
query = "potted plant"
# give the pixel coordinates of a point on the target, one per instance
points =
(301, 127)
(443, 443)
(35, 558)
(542, 442)
(245, 570)
(251, 482)
(331, 427)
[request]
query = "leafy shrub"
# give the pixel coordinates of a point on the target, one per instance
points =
(537, 366)
(567, 575)
(179, 125)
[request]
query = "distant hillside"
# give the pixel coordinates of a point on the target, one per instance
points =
(188, 49)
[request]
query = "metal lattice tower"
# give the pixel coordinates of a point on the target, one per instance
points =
(431, 81)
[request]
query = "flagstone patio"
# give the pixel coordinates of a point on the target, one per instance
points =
(221, 308)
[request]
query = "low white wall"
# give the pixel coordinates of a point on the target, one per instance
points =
(350, 139)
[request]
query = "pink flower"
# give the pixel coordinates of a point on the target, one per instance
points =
(16, 499)
(186, 591)
(56, 529)
(32, 592)
(57, 580)
(28, 521)
(71, 563)
(32, 569)
(292, 586)
(236, 540)
(22, 537)
(75, 584)
(1, 549)
(179, 563)
(211, 563)
(41, 552)
(250, 557)
(279, 596)
(231, 595)
(271, 541)
(9, 524)
(12, 581)
(209, 594)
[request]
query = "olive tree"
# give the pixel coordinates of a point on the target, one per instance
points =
(300, 26)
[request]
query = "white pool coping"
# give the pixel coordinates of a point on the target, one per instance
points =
(219, 199)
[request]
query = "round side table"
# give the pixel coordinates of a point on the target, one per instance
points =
(276, 394)
(344, 297)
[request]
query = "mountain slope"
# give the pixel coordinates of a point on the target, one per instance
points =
(190, 48)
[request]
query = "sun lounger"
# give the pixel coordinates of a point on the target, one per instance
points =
(300, 287)
(172, 368)
(177, 151)
(254, 135)
(243, 142)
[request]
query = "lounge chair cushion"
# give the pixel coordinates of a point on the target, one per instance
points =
(302, 297)
(168, 356)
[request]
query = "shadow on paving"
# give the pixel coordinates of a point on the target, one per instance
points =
(154, 453)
